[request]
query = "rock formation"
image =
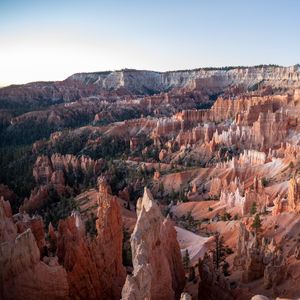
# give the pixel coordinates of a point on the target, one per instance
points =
(94, 265)
(158, 270)
(37, 198)
(54, 172)
(127, 82)
(294, 195)
(213, 285)
(292, 202)
(23, 275)
(185, 296)
(87, 267)
(258, 258)
(51, 170)
(243, 150)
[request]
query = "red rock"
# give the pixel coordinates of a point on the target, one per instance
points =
(37, 197)
(294, 195)
(7, 193)
(156, 271)
(36, 225)
(172, 252)
(94, 265)
(22, 274)
(259, 259)
(124, 194)
(8, 230)
(52, 233)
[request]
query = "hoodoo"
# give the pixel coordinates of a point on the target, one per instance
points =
(157, 267)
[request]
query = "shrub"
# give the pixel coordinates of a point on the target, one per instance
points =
(264, 181)
(253, 208)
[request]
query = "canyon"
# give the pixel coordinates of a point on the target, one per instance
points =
(144, 185)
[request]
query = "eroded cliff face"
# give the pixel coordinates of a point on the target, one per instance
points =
(51, 169)
(94, 265)
(56, 172)
(86, 266)
(140, 81)
(259, 258)
(136, 82)
(23, 275)
(158, 272)
(248, 122)
(291, 203)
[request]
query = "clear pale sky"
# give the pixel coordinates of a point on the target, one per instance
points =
(52, 39)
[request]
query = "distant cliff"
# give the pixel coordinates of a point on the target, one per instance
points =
(136, 83)
(141, 82)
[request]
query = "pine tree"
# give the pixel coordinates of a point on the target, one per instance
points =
(192, 274)
(161, 189)
(256, 225)
(253, 208)
(172, 194)
(219, 251)
(186, 260)
(219, 255)
(225, 268)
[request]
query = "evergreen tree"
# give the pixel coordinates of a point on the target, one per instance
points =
(186, 260)
(126, 249)
(172, 195)
(192, 274)
(219, 255)
(225, 268)
(219, 250)
(161, 189)
(256, 225)
(253, 208)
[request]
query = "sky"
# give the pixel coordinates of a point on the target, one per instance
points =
(44, 40)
